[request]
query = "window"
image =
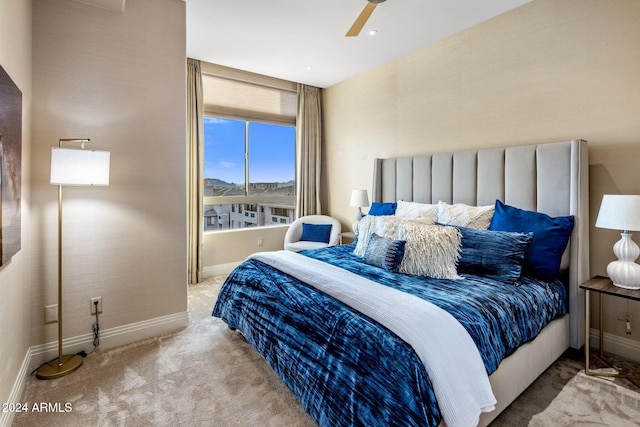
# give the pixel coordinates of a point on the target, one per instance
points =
(249, 168)
(249, 150)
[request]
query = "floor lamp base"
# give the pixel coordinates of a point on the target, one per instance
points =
(51, 370)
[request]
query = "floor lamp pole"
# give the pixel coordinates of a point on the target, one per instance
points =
(59, 275)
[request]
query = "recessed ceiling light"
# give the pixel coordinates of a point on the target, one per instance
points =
(309, 68)
(373, 32)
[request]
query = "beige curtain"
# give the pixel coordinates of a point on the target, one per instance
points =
(309, 150)
(195, 150)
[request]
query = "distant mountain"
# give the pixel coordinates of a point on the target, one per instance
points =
(215, 182)
(287, 184)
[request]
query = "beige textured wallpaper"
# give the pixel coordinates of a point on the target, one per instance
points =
(550, 70)
(118, 79)
(15, 58)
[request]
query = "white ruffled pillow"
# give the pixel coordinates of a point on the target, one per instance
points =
(478, 217)
(431, 250)
(417, 210)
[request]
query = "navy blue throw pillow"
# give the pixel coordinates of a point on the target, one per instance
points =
(550, 237)
(493, 253)
(380, 209)
(316, 232)
(385, 253)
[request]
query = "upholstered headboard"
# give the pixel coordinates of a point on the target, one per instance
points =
(552, 178)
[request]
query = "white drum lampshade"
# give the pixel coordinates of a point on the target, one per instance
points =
(79, 167)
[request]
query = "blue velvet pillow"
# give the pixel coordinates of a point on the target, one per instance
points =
(550, 237)
(385, 253)
(379, 209)
(316, 232)
(493, 253)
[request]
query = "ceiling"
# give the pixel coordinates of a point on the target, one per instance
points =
(304, 41)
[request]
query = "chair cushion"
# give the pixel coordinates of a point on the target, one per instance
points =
(316, 232)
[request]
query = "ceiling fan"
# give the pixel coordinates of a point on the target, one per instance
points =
(362, 18)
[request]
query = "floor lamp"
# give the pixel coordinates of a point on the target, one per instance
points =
(71, 167)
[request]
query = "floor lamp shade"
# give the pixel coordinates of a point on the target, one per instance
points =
(622, 212)
(79, 167)
(71, 167)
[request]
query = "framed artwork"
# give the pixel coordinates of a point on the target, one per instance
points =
(10, 167)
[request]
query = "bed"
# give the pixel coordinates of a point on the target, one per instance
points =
(351, 363)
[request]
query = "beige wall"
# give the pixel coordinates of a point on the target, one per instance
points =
(224, 249)
(118, 79)
(550, 70)
(15, 58)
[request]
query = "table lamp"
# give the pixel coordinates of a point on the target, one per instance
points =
(622, 212)
(359, 199)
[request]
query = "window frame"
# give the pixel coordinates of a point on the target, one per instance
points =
(248, 199)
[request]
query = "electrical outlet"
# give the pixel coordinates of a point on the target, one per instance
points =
(93, 305)
(51, 313)
(260, 241)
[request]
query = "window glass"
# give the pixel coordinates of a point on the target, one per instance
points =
(224, 165)
(271, 159)
(249, 173)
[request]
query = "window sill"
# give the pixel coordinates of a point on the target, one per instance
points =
(240, 230)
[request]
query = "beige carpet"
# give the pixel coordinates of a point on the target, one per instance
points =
(206, 375)
(565, 396)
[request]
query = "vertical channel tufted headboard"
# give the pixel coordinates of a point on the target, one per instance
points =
(552, 178)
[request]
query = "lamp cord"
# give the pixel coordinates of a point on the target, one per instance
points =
(96, 331)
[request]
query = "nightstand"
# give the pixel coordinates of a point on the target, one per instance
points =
(603, 285)
(347, 235)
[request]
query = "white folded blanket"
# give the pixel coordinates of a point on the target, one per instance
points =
(450, 356)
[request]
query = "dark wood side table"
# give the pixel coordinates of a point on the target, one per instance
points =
(603, 285)
(350, 235)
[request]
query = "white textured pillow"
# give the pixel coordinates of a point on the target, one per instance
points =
(478, 217)
(431, 250)
(385, 226)
(417, 210)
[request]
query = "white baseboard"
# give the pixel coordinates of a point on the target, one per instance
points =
(109, 338)
(112, 337)
(6, 418)
(625, 347)
(219, 269)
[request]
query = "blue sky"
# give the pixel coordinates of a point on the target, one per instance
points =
(271, 151)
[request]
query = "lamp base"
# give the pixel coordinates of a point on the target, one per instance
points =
(624, 273)
(51, 370)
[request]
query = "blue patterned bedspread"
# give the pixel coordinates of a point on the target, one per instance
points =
(347, 369)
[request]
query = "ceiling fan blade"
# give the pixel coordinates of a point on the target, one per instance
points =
(361, 20)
